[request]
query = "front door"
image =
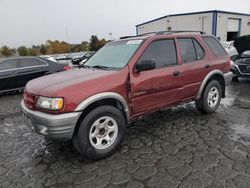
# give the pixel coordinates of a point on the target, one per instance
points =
(160, 87)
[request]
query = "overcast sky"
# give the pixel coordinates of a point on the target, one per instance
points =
(27, 22)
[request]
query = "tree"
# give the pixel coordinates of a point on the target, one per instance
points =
(22, 51)
(32, 52)
(43, 49)
(93, 44)
(6, 51)
(101, 43)
(84, 46)
(57, 47)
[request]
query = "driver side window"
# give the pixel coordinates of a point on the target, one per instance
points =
(162, 52)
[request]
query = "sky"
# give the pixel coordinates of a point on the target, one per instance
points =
(33, 22)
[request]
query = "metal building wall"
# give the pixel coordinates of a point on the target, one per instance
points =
(212, 22)
(197, 22)
(222, 24)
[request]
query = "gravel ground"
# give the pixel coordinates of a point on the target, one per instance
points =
(173, 148)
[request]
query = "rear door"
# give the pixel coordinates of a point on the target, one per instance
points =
(195, 64)
(161, 87)
(220, 59)
(8, 71)
(30, 68)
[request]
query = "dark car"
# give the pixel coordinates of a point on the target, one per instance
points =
(16, 72)
(123, 81)
(76, 60)
(241, 64)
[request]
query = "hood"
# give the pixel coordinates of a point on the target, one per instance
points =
(242, 43)
(58, 81)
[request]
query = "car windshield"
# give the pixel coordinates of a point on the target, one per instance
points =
(114, 55)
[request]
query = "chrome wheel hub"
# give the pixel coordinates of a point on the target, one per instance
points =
(213, 97)
(103, 132)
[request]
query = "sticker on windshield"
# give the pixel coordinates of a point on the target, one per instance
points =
(134, 42)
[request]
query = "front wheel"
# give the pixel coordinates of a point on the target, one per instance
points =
(211, 98)
(100, 133)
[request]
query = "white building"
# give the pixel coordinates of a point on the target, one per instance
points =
(224, 25)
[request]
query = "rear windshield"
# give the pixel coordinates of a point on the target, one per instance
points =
(214, 46)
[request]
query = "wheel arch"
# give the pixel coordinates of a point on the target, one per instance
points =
(100, 99)
(213, 75)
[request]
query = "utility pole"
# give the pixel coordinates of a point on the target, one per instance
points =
(67, 34)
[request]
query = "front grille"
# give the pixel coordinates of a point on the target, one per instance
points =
(29, 100)
(245, 69)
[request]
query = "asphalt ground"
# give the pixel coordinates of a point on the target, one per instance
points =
(179, 147)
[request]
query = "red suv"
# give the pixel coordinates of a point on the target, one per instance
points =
(123, 81)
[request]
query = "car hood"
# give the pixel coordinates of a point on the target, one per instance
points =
(242, 44)
(58, 81)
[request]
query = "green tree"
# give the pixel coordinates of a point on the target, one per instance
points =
(5, 51)
(22, 51)
(43, 49)
(101, 43)
(84, 46)
(32, 52)
(93, 44)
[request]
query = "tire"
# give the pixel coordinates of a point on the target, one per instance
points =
(210, 99)
(100, 133)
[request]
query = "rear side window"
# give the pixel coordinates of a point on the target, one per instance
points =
(8, 65)
(29, 62)
(190, 50)
(163, 52)
(187, 50)
(199, 50)
(214, 46)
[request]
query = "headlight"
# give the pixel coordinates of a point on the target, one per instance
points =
(50, 103)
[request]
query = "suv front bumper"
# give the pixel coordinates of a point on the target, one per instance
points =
(237, 72)
(59, 126)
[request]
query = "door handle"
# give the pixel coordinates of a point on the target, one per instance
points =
(176, 73)
(207, 66)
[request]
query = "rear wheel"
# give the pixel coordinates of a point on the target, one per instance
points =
(211, 98)
(100, 133)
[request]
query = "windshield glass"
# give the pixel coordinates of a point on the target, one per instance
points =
(114, 55)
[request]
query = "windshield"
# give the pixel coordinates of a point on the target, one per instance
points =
(114, 55)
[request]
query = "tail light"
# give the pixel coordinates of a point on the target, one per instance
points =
(67, 68)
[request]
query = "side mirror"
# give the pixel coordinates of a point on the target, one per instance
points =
(145, 65)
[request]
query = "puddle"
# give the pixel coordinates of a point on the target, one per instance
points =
(228, 101)
(241, 134)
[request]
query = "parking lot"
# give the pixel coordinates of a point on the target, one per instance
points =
(173, 148)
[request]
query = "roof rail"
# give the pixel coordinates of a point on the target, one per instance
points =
(163, 33)
(173, 32)
(125, 37)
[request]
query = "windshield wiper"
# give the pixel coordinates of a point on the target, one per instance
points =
(84, 66)
(101, 67)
